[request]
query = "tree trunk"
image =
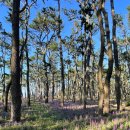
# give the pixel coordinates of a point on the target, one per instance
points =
(68, 78)
(27, 57)
(106, 108)
(88, 62)
(82, 83)
(46, 82)
(100, 64)
(9, 84)
(53, 85)
(27, 77)
(117, 68)
(84, 70)
(93, 79)
(75, 79)
(61, 56)
(6, 96)
(15, 65)
(68, 93)
(3, 80)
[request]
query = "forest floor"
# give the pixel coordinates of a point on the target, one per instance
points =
(53, 116)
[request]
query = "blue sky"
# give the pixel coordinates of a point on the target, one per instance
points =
(120, 8)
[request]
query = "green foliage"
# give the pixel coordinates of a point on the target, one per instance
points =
(53, 46)
(7, 2)
(79, 63)
(128, 103)
(45, 20)
(71, 14)
(43, 117)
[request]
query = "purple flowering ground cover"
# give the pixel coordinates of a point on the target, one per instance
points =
(72, 116)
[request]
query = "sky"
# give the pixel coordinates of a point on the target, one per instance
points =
(120, 8)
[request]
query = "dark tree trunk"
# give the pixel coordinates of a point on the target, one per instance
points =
(82, 83)
(68, 93)
(3, 80)
(88, 61)
(117, 68)
(84, 70)
(46, 82)
(68, 77)
(15, 65)
(27, 77)
(93, 79)
(6, 96)
(9, 84)
(53, 86)
(7, 88)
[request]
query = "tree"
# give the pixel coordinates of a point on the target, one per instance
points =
(15, 65)
(61, 54)
(101, 57)
(86, 12)
(104, 88)
(106, 108)
(116, 59)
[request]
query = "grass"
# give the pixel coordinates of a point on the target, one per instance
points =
(42, 117)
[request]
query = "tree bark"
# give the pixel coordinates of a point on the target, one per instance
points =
(3, 80)
(27, 57)
(6, 96)
(68, 77)
(93, 79)
(15, 66)
(53, 85)
(100, 64)
(106, 108)
(88, 62)
(9, 84)
(46, 82)
(84, 70)
(27, 77)
(116, 59)
(75, 79)
(61, 56)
